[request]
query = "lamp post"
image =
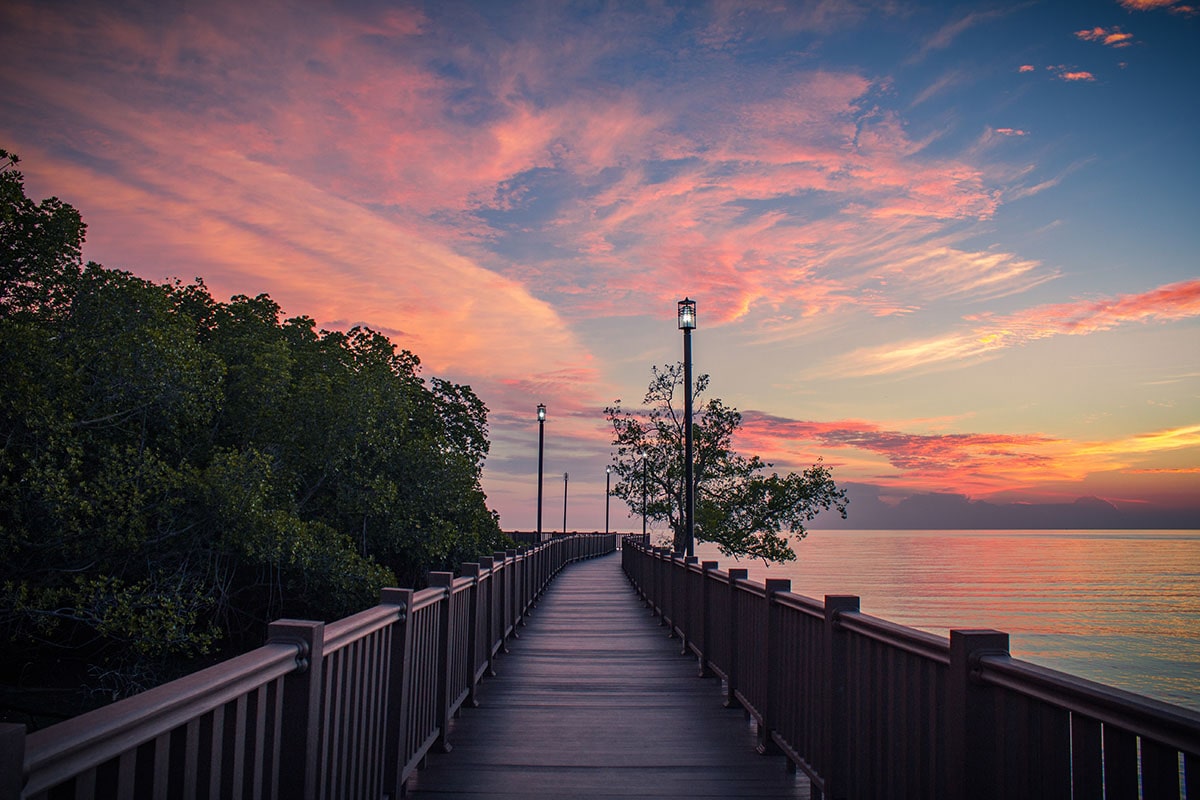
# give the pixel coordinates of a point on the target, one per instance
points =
(644, 494)
(566, 477)
(607, 494)
(687, 323)
(541, 416)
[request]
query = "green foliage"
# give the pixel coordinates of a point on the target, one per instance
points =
(739, 506)
(176, 471)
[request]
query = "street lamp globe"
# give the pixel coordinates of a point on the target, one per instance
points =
(541, 411)
(687, 314)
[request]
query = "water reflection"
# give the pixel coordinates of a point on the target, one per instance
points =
(1120, 607)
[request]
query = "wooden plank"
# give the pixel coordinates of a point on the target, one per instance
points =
(594, 702)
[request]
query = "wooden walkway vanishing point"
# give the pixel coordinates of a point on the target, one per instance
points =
(595, 701)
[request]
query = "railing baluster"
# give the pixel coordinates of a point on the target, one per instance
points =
(1160, 771)
(835, 755)
(732, 679)
(1120, 764)
(771, 664)
(708, 587)
(444, 674)
(398, 708)
(471, 570)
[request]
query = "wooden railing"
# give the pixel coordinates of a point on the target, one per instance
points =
(347, 709)
(870, 708)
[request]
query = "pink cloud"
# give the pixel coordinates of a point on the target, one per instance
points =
(1011, 132)
(1073, 75)
(969, 462)
(1174, 6)
(1027, 68)
(992, 333)
(1113, 37)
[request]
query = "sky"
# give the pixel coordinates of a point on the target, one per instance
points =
(951, 250)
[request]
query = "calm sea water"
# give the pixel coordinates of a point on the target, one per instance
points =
(1119, 607)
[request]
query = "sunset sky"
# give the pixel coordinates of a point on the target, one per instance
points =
(950, 249)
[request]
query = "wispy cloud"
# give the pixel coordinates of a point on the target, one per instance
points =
(992, 333)
(948, 33)
(985, 462)
(1173, 6)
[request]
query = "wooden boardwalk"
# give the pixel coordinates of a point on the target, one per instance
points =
(594, 701)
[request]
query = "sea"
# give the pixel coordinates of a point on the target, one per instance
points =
(1121, 607)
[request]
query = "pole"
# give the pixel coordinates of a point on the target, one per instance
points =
(644, 492)
(689, 530)
(541, 443)
(566, 477)
(607, 495)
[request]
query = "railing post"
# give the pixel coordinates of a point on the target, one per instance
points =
(706, 601)
(444, 580)
(667, 595)
(770, 664)
(471, 570)
(972, 735)
(514, 590)
(399, 675)
(836, 744)
(504, 574)
(489, 614)
(12, 760)
(731, 682)
(529, 599)
(684, 614)
(300, 740)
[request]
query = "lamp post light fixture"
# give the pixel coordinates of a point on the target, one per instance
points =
(541, 418)
(687, 323)
(566, 477)
(607, 494)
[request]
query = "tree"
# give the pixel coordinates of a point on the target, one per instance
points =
(177, 471)
(40, 247)
(743, 508)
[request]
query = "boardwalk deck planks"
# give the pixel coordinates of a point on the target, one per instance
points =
(595, 701)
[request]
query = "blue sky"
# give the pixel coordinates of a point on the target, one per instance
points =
(949, 249)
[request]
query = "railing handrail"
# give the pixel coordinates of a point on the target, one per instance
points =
(354, 627)
(1169, 724)
(91, 739)
(902, 637)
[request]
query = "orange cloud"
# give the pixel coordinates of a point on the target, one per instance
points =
(1173, 6)
(1011, 132)
(1073, 75)
(1027, 68)
(994, 333)
(974, 463)
(1113, 37)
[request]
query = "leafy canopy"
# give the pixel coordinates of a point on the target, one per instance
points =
(741, 506)
(177, 471)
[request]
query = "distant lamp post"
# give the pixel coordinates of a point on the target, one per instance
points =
(566, 477)
(687, 323)
(541, 416)
(642, 453)
(607, 490)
